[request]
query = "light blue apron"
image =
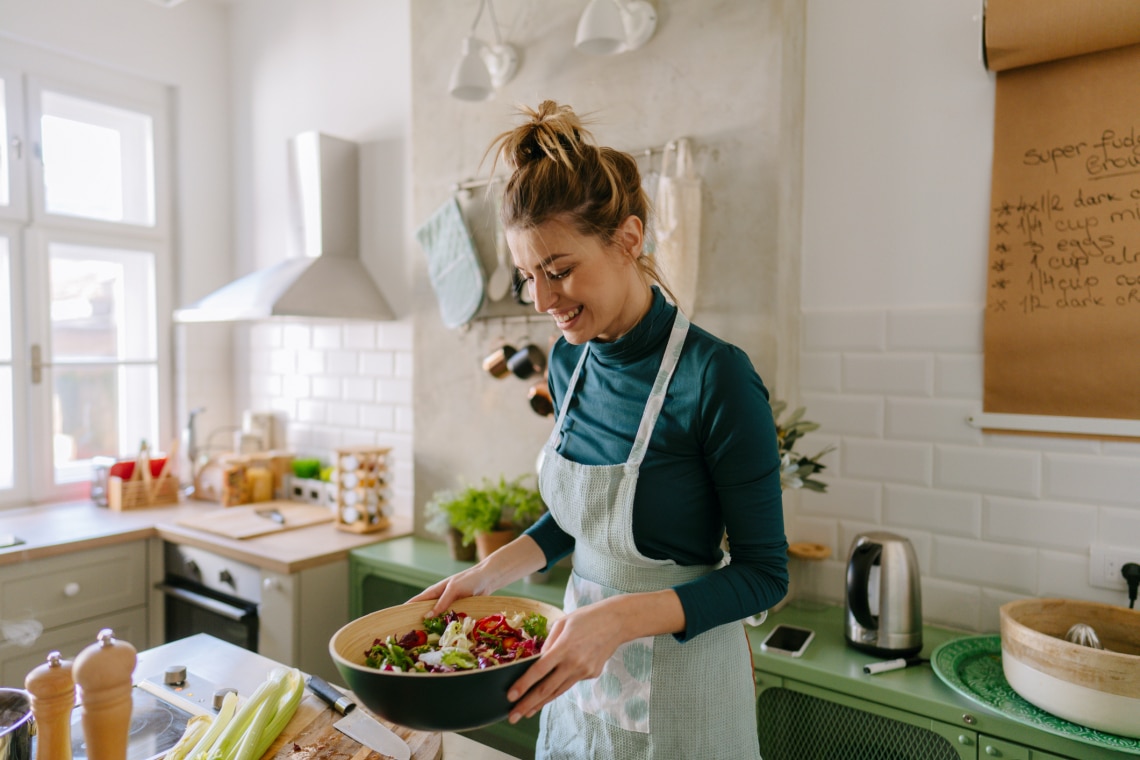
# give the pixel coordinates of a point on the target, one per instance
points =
(656, 697)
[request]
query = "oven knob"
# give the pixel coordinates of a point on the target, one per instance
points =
(225, 577)
(175, 675)
(193, 569)
(220, 695)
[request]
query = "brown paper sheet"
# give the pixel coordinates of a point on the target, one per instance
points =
(1062, 327)
(1024, 32)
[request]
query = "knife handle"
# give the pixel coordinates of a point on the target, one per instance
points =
(331, 695)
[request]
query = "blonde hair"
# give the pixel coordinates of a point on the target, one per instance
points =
(560, 173)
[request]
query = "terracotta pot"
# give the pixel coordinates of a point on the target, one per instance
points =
(459, 552)
(485, 543)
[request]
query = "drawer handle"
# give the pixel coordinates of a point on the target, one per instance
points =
(71, 589)
(965, 740)
(993, 751)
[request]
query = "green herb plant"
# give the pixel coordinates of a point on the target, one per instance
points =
(797, 470)
(493, 505)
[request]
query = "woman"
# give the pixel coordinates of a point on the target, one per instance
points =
(664, 440)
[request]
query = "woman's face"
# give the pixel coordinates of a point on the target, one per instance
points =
(593, 291)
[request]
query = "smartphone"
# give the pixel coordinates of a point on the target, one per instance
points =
(788, 639)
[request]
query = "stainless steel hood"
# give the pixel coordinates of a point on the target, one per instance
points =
(323, 276)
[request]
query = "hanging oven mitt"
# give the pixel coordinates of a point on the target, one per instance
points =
(453, 264)
(678, 229)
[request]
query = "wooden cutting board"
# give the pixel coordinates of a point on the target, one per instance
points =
(246, 522)
(310, 736)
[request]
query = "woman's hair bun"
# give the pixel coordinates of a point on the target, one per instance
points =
(551, 131)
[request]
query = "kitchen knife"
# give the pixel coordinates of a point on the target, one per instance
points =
(357, 725)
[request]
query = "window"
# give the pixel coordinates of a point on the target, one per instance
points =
(84, 271)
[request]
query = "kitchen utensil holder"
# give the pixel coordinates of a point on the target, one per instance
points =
(123, 495)
(362, 482)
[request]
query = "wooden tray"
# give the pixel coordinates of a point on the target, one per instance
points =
(250, 521)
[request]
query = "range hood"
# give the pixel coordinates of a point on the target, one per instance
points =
(323, 276)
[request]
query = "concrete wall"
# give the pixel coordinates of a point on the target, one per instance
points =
(719, 73)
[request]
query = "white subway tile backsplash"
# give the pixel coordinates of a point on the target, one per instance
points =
(1066, 575)
(310, 362)
(1113, 480)
(845, 414)
(404, 364)
(343, 414)
(1009, 473)
(999, 565)
(949, 604)
(958, 376)
(281, 362)
(405, 419)
(326, 387)
(939, 330)
(816, 531)
(341, 363)
(846, 499)
(394, 391)
(1119, 526)
(395, 335)
(930, 420)
(907, 375)
(360, 335)
(326, 337)
(820, 372)
(378, 416)
(296, 336)
(359, 389)
(992, 601)
(891, 461)
(377, 363)
(296, 386)
(844, 330)
(1041, 443)
(1039, 523)
(943, 512)
(310, 411)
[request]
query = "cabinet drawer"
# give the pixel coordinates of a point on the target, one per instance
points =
(17, 660)
(60, 590)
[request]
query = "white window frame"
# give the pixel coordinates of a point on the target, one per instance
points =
(33, 230)
(16, 167)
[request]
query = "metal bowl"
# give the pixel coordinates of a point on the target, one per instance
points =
(431, 701)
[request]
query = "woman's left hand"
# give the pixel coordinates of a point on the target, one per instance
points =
(580, 643)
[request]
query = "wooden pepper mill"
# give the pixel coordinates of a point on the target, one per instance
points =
(53, 698)
(103, 674)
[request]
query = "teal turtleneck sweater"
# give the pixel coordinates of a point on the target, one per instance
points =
(712, 465)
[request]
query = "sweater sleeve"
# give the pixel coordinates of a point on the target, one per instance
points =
(741, 452)
(554, 542)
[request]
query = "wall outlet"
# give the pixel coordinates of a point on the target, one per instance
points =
(1105, 563)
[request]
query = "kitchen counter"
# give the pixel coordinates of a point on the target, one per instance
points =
(223, 663)
(52, 529)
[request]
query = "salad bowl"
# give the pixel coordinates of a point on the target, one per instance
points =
(454, 701)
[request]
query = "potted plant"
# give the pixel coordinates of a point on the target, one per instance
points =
(488, 515)
(444, 511)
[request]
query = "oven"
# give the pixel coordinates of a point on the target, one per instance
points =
(208, 593)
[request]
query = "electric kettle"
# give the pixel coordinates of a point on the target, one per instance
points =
(884, 596)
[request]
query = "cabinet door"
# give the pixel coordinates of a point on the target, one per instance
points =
(17, 660)
(798, 721)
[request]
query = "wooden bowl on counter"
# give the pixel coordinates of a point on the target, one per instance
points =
(456, 701)
(1097, 688)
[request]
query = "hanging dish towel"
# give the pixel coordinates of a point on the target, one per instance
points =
(453, 264)
(678, 229)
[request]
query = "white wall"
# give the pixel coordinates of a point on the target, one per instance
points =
(341, 67)
(897, 149)
(185, 48)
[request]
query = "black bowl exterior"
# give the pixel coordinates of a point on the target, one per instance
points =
(427, 702)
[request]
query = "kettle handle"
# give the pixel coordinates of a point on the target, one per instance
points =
(858, 576)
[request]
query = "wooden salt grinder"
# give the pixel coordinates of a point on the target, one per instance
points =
(103, 673)
(53, 699)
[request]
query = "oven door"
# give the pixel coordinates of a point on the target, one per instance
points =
(193, 608)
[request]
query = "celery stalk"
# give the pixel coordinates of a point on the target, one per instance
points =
(224, 716)
(227, 741)
(292, 693)
(196, 728)
(251, 738)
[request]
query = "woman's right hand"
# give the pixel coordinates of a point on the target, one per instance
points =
(469, 582)
(516, 560)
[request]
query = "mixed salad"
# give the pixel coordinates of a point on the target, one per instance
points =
(456, 641)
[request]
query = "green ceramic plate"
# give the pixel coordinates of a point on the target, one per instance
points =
(971, 666)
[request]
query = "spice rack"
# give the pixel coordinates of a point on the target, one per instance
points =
(361, 478)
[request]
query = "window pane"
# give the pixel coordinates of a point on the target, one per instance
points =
(98, 160)
(7, 432)
(101, 410)
(102, 304)
(5, 197)
(5, 302)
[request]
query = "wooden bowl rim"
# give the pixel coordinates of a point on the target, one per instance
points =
(505, 604)
(1007, 616)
